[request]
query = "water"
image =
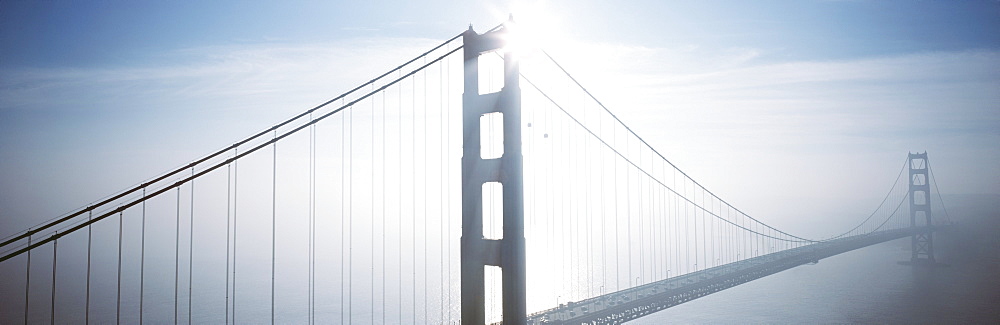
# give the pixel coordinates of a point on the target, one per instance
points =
(869, 286)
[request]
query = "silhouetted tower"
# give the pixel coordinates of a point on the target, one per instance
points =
(922, 243)
(506, 171)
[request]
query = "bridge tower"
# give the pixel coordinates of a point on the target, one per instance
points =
(478, 252)
(922, 243)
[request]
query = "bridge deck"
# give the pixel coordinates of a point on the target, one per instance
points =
(632, 303)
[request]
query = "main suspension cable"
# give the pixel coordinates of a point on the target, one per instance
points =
(931, 171)
(643, 141)
(134, 189)
(223, 163)
(643, 171)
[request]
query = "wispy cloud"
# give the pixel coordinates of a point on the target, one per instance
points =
(360, 29)
(258, 70)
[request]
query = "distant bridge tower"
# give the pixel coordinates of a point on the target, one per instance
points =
(922, 243)
(506, 171)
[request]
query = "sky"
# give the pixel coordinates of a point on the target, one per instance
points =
(777, 106)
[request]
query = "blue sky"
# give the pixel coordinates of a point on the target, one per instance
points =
(91, 89)
(109, 33)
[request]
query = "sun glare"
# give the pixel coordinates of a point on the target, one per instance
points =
(534, 27)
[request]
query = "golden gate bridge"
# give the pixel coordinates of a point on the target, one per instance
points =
(469, 184)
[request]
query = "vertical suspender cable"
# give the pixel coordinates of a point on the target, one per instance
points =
(618, 277)
(312, 206)
(729, 234)
(687, 229)
(413, 229)
(552, 177)
(441, 178)
(399, 221)
(628, 213)
(651, 207)
(659, 232)
(118, 299)
(643, 238)
(274, 203)
(574, 213)
(665, 223)
(236, 174)
(739, 236)
(384, 160)
(586, 210)
(569, 207)
(52, 306)
(638, 187)
(425, 192)
(667, 238)
(664, 215)
(350, 218)
(675, 219)
(700, 211)
(229, 184)
(638, 208)
(177, 250)
(372, 282)
(604, 250)
(696, 211)
(591, 213)
(343, 208)
(191, 249)
(564, 216)
(27, 281)
(646, 232)
(86, 312)
(447, 163)
(312, 221)
(312, 230)
(653, 204)
(672, 225)
(704, 235)
(548, 199)
(711, 232)
(142, 257)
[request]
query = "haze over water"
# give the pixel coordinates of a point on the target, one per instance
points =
(868, 286)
